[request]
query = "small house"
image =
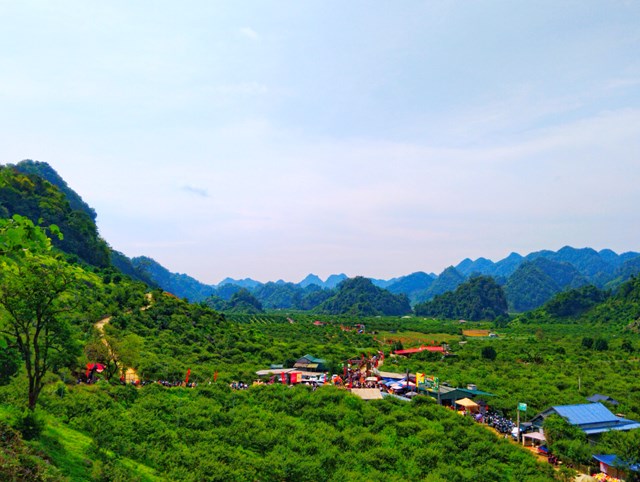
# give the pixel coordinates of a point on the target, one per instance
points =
(311, 364)
(592, 418)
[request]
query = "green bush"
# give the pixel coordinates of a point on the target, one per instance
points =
(30, 425)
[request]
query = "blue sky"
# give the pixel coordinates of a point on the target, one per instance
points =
(272, 139)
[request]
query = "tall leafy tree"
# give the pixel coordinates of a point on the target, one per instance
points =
(35, 290)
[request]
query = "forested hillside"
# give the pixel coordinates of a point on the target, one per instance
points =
(33, 196)
(359, 297)
(446, 281)
(535, 282)
(412, 285)
(70, 331)
(181, 285)
(480, 298)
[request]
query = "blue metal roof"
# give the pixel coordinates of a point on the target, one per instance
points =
(586, 414)
(592, 418)
(621, 424)
(613, 461)
(602, 398)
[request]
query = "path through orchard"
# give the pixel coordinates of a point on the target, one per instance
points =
(130, 375)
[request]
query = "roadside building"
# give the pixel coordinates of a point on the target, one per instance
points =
(592, 418)
(310, 364)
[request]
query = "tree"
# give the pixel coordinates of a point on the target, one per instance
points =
(35, 290)
(626, 446)
(600, 344)
(489, 353)
(627, 346)
(587, 342)
(9, 362)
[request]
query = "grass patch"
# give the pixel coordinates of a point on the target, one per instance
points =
(70, 450)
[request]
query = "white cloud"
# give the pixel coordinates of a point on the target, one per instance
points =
(249, 33)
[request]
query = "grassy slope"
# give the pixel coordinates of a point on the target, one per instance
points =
(69, 450)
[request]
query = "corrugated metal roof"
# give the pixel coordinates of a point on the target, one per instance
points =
(602, 398)
(613, 461)
(585, 414)
(313, 359)
(622, 424)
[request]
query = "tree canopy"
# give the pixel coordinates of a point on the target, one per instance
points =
(480, 298)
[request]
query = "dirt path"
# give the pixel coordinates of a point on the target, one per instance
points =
(130, 375)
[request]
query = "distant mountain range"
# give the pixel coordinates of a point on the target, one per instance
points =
(528, 281)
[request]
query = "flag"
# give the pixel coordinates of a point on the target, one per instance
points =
(419, 378)
(186, 380)
(283, 377)
(215, 376)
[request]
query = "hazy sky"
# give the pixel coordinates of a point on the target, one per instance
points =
(273, 139)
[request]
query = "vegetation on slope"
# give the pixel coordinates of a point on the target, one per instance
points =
(359, 296)
(480, 298)
(36, 198)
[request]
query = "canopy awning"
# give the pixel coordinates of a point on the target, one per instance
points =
(535, 436)
(367, 393)
(467, 403)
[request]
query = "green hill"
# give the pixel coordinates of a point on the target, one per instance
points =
(536, 282)
(180, 285)
(359, 296)
(448, 280)
(31, 195)
(411, 285)
(479, 298)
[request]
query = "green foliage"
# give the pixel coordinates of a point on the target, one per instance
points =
(480, 298)
(575, 302)
(244, 302)
(557, 428)
(600, 344)
(535, 282)
(278, 433)
(587, 342)
(18, 462)
(30, 424)
(9, 363)
(625, 445)
(241, 301)
(447, 281)
(32, 196)
(489, 353)
(35, 289)
(360, 297)
(180, 285)
(412, 285)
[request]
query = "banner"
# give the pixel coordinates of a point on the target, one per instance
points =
(283, 377)
(215, 376)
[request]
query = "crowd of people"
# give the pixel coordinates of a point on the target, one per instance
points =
(238, 386)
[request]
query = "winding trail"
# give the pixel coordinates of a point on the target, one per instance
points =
(130, 375)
